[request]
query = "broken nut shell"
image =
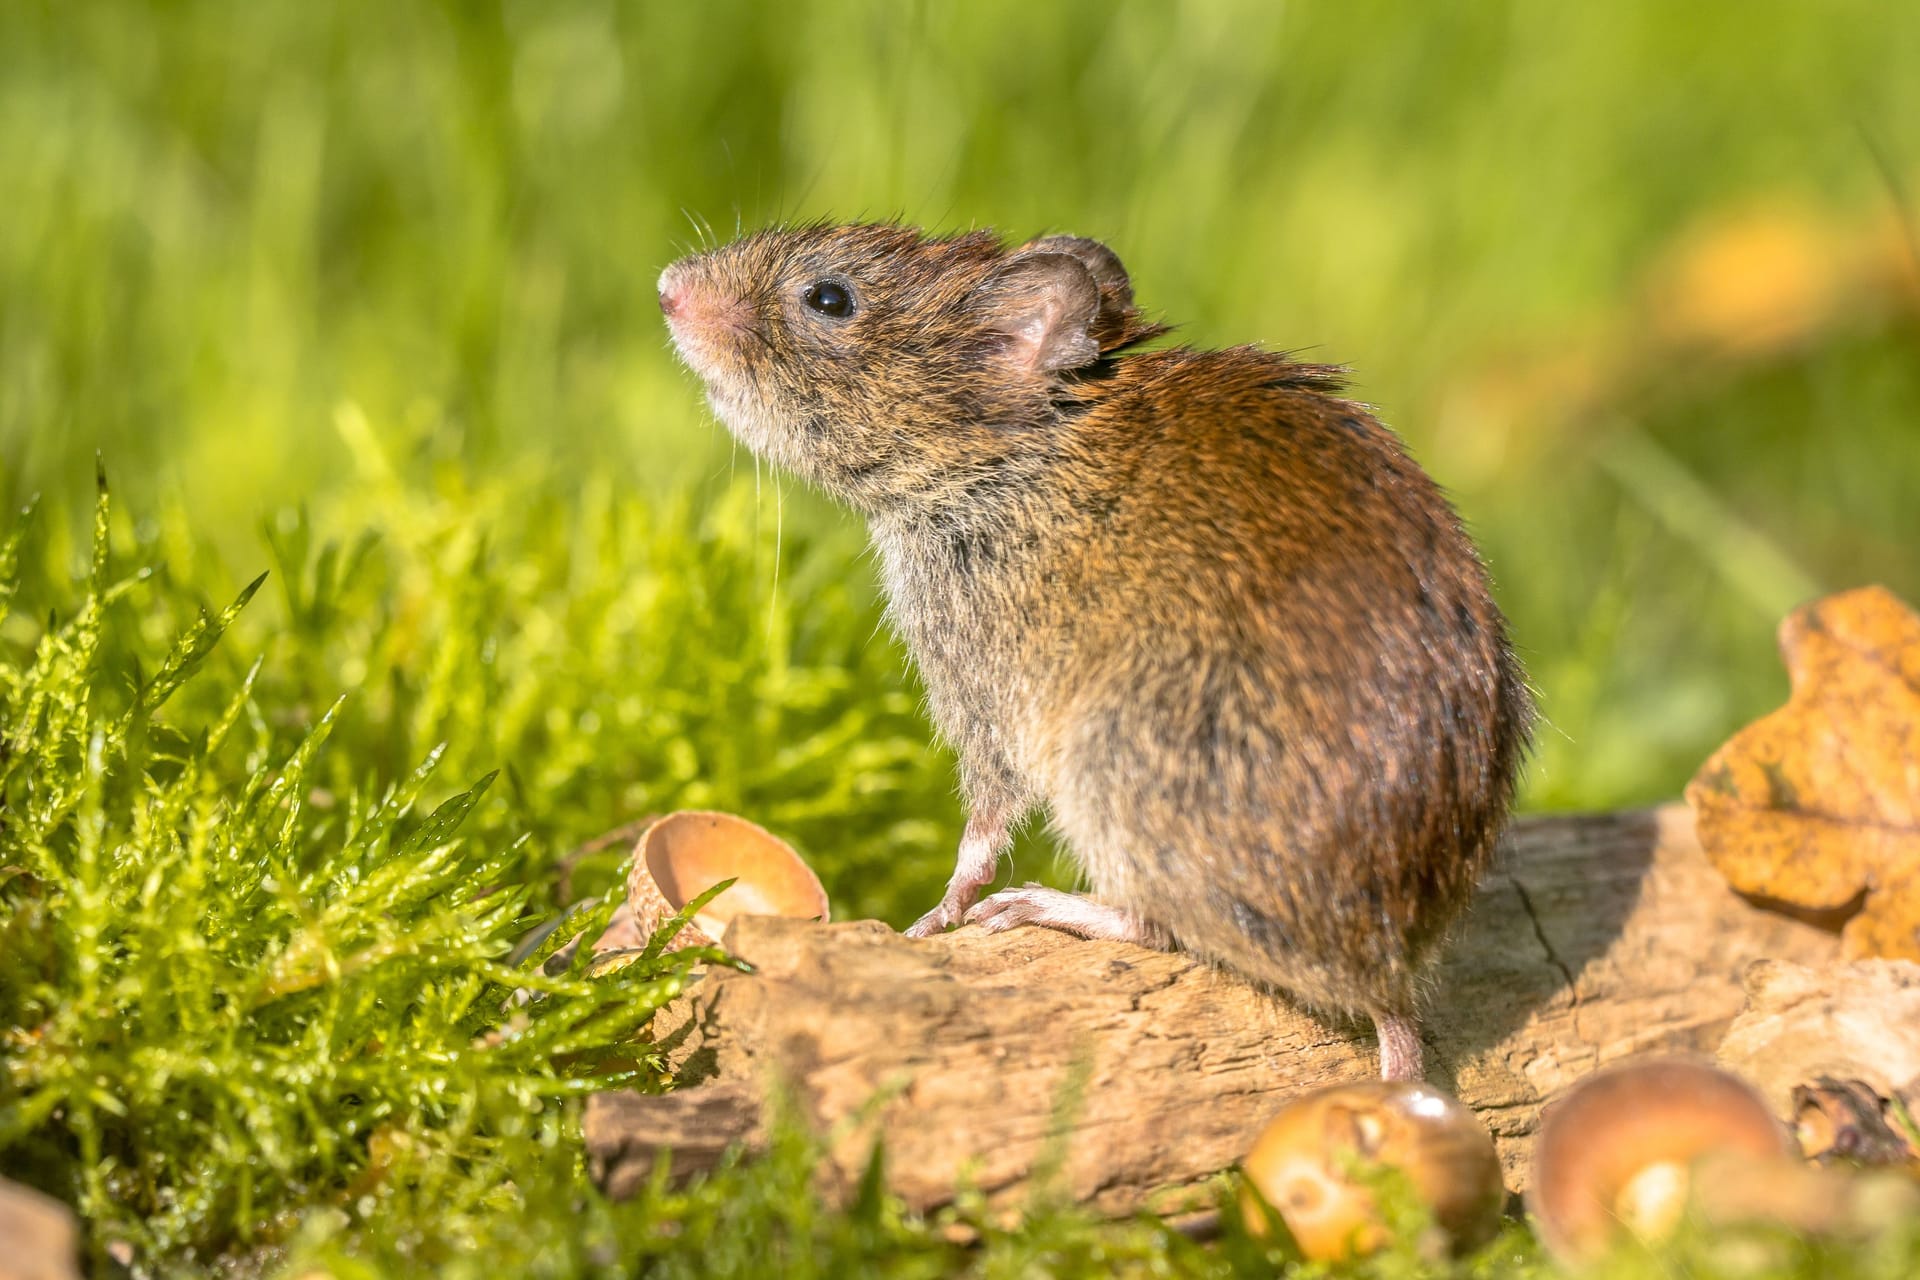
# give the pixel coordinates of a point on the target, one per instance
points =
(1303, 1165)
(686, 853)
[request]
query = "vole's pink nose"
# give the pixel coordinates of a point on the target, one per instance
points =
(693, 305)
(673, 292)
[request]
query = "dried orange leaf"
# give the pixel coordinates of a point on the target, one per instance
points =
(1819, 802)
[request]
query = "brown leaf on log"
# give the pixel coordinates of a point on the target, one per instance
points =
(1817, 806)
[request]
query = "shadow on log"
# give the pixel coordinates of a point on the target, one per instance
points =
(1595, 939)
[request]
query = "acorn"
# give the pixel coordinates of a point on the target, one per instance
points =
(1623, 1153)
(1305, 1162)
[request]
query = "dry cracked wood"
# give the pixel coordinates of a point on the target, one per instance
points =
(1595, 939)
(1858, 1021)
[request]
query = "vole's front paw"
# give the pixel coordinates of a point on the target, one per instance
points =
(950, 912)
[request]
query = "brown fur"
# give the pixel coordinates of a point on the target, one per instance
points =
(1198, 604)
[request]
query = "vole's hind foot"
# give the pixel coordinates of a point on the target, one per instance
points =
(1068, 912)
(1402, 1057)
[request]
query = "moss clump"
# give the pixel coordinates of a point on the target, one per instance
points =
(256, 907)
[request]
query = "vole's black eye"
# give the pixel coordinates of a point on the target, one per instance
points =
(829, 298)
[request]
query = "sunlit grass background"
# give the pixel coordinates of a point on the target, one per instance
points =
(362, 294)
(1632, 281)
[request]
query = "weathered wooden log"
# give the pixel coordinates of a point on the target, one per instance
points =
(1857, 1021)
(977, 1056)
(39, 1237)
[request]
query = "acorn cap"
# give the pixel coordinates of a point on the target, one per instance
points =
(685, 853)
(1618, 1153)
(1303, 1164)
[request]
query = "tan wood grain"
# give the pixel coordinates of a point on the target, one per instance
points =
(1595, 939)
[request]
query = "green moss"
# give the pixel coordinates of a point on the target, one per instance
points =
(250, 924)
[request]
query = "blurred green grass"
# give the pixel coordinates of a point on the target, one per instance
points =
(229, 230)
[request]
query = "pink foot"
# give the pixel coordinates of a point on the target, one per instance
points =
(951, 911)
(1067, 912)
(974, 870)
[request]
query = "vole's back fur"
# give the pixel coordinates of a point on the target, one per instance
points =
(1262, 684)
(1199, 604)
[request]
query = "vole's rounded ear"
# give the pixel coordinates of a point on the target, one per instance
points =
(1116, 290)
(1119, 323)
(1045, 305)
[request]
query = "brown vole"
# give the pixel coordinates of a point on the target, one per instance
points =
(1199, 605)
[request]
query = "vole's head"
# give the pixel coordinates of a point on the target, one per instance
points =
(890, 367)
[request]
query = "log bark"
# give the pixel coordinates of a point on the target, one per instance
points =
(39, 1236)
(1136, 1075)
(1857, 1021)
